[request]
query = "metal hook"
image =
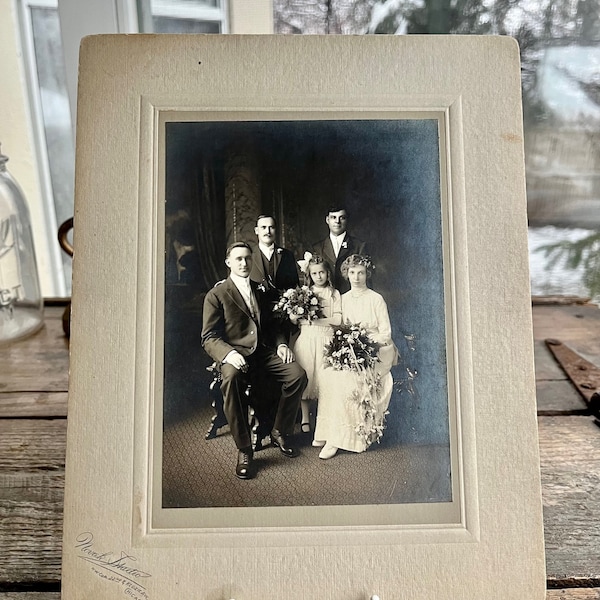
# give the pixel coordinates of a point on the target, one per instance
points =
(63, 230)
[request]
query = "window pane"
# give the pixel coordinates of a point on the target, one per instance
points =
(181, 16)
(168, 25)
(560, 53)
(163, 6)
(56, 114)
(562, 143)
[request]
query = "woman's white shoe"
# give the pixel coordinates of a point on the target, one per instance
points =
(318, 443)
(328, 451)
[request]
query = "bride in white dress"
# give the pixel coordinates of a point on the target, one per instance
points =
(341, 421)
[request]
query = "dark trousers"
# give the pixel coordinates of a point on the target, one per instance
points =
(262, 363)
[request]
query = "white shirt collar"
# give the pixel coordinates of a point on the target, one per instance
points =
(245, 289)
(267, 250)
(240, 282)
(339, 238)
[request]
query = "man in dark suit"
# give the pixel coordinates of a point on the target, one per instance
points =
(240, 335)
(272, 266)
(336, 247)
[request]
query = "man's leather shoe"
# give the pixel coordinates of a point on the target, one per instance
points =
(245, 464)
(280, 442)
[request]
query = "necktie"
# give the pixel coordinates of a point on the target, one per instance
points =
(248, 296)
(251, 305)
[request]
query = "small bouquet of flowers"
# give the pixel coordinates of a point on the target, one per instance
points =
(300, 302)
(351, 348)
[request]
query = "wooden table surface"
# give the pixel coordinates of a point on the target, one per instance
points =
(33, 423)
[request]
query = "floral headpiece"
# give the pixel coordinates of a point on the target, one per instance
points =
(363, 261)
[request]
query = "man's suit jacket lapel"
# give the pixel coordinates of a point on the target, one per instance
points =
(328, 251)
(257, 263)
(254, 288)
(276, 258)
(346, 250)
(236, 296)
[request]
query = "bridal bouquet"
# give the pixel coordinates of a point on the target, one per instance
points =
(351, 348)
(300, 302)
(372, 423)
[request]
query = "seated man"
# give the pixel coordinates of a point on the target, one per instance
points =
(240, 335)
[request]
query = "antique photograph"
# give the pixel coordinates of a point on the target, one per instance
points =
(299, 288)
(305, 345)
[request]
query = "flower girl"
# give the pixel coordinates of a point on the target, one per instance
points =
(315, 334)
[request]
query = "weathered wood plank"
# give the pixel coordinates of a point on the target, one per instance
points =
(572, 325)
(563, 300)
(572, 594)
(32, 458)
(559, 398)
(32, 462)
(546, 367)
(38, 363)
(32, 455)
(27, 444)
(33, 404)
(570, 471)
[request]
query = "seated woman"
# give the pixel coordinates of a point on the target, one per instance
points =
(344, 419)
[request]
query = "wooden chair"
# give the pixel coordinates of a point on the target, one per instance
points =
(260, 417)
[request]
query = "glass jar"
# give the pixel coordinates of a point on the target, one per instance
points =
(21, 304)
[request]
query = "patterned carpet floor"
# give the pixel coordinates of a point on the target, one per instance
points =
(198, 473)
(201, 473)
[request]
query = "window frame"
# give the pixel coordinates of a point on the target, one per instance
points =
(78, 19)
(184, 11)
(53, 276)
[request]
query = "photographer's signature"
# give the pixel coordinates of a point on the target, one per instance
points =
(118, 568)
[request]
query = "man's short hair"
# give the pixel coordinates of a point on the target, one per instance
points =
(236, 245)
(266, 217)
(338, 208)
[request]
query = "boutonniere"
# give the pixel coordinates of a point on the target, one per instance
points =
(261, 287)
(344, 244)
(279, 250)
